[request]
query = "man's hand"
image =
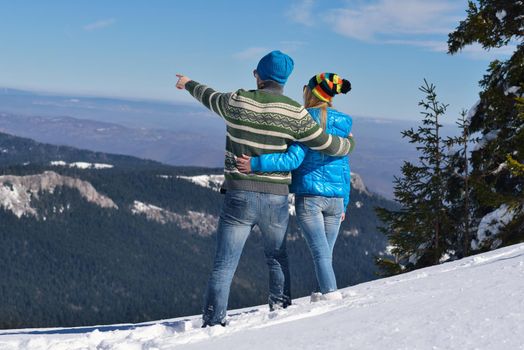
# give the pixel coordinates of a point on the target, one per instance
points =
(244, 164)
(182, 81)
(343, 217)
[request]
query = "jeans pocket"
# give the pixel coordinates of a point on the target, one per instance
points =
(236, 205)
(313, 204)
(279, 210)
(337, 206)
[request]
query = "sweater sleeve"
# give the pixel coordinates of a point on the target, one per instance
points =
(211, 99)
(314, 137)
(287, 161)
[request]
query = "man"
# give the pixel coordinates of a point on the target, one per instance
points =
(258, 121)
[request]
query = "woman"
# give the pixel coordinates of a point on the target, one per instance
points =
(321, 183)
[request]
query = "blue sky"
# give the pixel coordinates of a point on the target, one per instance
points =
(135, 48)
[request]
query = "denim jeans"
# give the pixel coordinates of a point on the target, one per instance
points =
(319, 218)
(243, 210)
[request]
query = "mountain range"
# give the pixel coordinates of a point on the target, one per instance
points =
(179, 133)
(90, 237)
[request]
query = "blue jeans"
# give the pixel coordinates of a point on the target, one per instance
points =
(243, 210)
(319, 217)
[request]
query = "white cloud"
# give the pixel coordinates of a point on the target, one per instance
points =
(251, 53)
(393, 18)
(476, 51)
(419, 23)
(431, 45)
(104, 23)
(302, 12)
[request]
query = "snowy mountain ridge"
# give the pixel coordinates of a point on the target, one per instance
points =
(81, 165)
(473, 303)
(200, 223)
(16, 192)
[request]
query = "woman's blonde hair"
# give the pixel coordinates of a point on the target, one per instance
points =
(311, 101)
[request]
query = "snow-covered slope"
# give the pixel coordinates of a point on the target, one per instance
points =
(81, 165)
(202, 223)
(473, 303)
(16, 192)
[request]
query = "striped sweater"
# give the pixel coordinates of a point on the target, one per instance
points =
(264, 121)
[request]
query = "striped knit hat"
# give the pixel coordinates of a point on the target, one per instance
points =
(326, 85)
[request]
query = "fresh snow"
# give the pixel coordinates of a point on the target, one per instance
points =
(17, 192)
(491, 224)
(501, 15)
(81, 165)
(490, 136)
(203, 224)
(209, 181)
(512, 90)
(473, 303)
(358, 184)
(351, 232)
(472, 111)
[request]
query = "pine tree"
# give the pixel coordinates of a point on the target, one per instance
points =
(418, 232)
(497, 159)
(458, 196)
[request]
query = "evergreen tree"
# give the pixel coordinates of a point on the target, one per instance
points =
(497, 160)
(418, 231)
(458, 197)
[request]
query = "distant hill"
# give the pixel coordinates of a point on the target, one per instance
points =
(90, 237)
(177, 133)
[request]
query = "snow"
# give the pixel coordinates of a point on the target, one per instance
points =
(82, 165)
(501, 15)
(511, 90)
(473, 303)
(490, 136)
(209, 181)
(491, 224)
(358, 184)
(501, 167)
(17, 192)
(201, 223)
(472, 111)
(352, 232)
(58, 163)
(291, 203)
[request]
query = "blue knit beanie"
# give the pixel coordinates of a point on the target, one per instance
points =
(276, 66)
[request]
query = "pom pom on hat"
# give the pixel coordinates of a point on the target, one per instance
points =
(326, 85)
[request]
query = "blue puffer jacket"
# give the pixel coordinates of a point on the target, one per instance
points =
(316, 173)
